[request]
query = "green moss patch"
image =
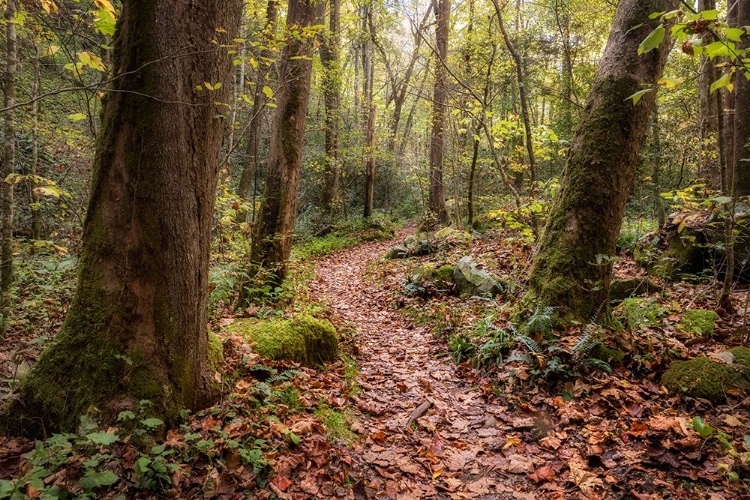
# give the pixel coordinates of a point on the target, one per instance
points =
(604, 353)
(215, 351)
(699, 322)
(641, 313)
(303, 339)
(703, 378)
(453, 236)
(741, 356)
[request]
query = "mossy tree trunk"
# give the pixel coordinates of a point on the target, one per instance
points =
(272, 238)
(572, 267)
(329, 58)
(136, 328)
(741, 157)
(9, 160)
(439, 103)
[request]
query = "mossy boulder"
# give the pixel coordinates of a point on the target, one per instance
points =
(622, 289)
(453, 237)
(641, 313)
(741, 356)
(398, 252)
(699, 322)
(215, 351)
(470, 280)
(703, 378)
(302, 339)
(431, 272)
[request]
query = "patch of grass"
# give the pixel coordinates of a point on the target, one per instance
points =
(336, 423)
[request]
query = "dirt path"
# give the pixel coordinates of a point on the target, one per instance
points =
(456, 449)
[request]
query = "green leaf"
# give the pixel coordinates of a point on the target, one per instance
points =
(152, 423)
(719, 49)
(638, 96)
(654, 15)
(724, 81)
(703, 429)
(92, 480)
(77, 117)
(652, 41)
(722, 200)
(734, 34)
(710, 15)
(103, 438)
(670, 82)
(268, 91)
(125, 415)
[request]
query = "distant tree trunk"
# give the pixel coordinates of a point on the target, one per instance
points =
(727, 110)
(572, 268)
(9, 160)
(36, 214)
(370, 171)
(708, 115)
(252, 161)
(329, 57)
(272, 239)
(562, 18)
(656, 172)
(522, 93)
(741, 156)
(439, 103)
(136, 328)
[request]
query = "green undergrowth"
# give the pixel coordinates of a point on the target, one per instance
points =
(337, 424)
(138, 457)
(345, 235)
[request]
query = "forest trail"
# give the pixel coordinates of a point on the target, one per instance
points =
(456, 449)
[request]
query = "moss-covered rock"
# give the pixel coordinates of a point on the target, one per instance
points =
(741, 356)
(703, 378)
(445, 273)
(215, 351)
(470, 280)
(604, 353)
(699, 322)
(302, 339)
(398, 252)
(641, 313)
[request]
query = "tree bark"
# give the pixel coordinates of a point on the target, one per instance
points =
(439, 103)
(329, 57)
(521, 92)
(252, 161)
(9, 160)
(370, 171)
(727, 112)
(36, 214)
(741, 156)
(708, 114)
(272, 239)
(136, 328)
(572, 268)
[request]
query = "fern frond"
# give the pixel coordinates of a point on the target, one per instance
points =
(584, 346)
(529, 343)
(597, 364)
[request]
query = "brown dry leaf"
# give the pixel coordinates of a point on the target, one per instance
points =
(481, 486)
(581, 476)
(512, 441)
(732, 421)
(302, 427)
(543, 474)
(518, 465)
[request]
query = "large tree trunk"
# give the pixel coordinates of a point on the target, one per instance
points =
(370, 167)
(136, 328)
(741, 156)
(272, 239)
(439, 103)
(9, 160)
(572, 268)
(727, 114)
(329, 57)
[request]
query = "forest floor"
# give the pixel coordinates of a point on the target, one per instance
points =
(434, 396)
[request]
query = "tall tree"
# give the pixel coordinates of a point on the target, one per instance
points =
(439, 104)
(272, 238)
(708, 113)
(9, 160)
(329, 57)
(741, 156)
(136, 328)
(368, 108)
(255, 130)
(572, 268)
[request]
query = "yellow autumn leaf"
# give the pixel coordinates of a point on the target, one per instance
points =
(49, 6)
(104, 5)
